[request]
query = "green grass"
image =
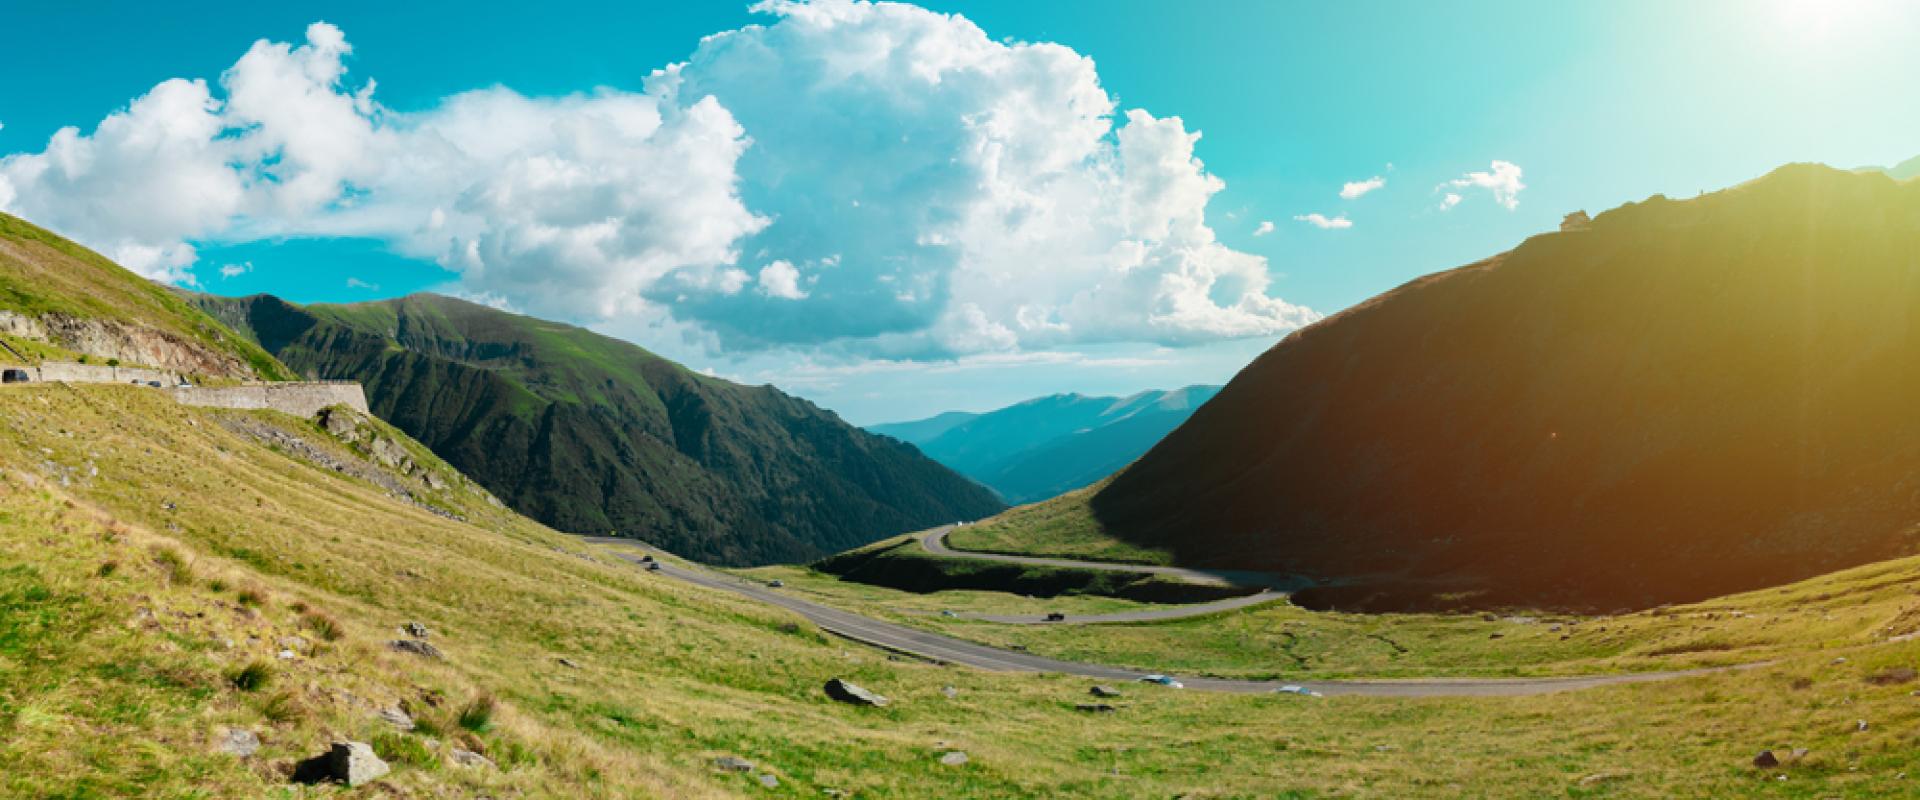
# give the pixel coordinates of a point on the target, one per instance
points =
(98, 699)
(42, 273)
(1063, 527)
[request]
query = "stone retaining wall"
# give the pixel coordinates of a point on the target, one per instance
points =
(298, 399)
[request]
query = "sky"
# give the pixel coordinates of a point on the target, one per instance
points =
(897, 210)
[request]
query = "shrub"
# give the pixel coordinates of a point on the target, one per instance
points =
(175, 565)
(107, 569)
(404, 749)
(478, 715)
(253, 677)
(323, 626)
(283, 707)
(252, 596)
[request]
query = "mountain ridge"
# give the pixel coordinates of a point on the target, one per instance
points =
(595, 435)
(1048, 445)
(1685, 398)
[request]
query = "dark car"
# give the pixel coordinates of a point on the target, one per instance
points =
(1056, 616)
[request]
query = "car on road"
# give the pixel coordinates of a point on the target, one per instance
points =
(1163, 680)
(646, 559)
(776, 584)
(1299, 690)
(948, 613)
(1055, 616)
(653, 566)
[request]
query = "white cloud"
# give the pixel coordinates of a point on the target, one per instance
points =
(235, 270)
(1503, 180)
(1322, 222)
(1265, 227)
(1352, 190)
(918, 190)
(356, 283)
(780, 279)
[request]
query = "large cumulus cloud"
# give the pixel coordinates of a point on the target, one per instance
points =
(871, 179)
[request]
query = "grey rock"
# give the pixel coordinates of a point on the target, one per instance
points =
(733, 764)
(1766, 759)
(396, 718)
(769, 781)
(239, 742)
(291, 643)
(954, 758)
(468, 758)
(1104, 691)
(416, 630)
(416, 647)
(949, 691)
(568, 663)
(351, 763)
(839, 689)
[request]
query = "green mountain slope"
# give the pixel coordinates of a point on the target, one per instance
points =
(591, 434)
(62, 301)
(1040, 448)
(1688, 398)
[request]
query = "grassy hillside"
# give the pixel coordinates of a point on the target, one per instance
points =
(87, 305)
(1040, 448)
(1688, 398)
(594, 435)
(1063, 527)
(149, 554)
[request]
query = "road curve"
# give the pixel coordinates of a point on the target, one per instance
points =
(948, 650)
(935, 542)
(1154, 615)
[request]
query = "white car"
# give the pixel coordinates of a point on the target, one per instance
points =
(1299, 690)
(1163, 680)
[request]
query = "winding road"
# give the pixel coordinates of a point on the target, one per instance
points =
(948, 650)
(935, 542)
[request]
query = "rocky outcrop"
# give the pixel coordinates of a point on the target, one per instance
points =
(106, 339)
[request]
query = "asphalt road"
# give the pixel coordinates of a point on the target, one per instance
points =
(935, 542)
(948, 650)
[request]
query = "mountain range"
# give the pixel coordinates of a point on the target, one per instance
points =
(590, 434)
(1049, 445)
(1680, 399)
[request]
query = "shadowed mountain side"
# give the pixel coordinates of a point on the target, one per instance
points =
(590, 434)
(1685, 399)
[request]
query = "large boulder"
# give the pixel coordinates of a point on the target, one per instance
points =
(351, 763)
(839, 689)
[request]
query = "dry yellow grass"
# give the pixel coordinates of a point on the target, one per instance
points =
(99, 699)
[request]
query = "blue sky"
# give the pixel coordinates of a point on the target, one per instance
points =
(898, 213)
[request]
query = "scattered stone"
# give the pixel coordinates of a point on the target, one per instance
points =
(468, 758)
(1602, 777)
(789, 627)
(954, 758)
(397, 718)
(1766, 760)
(1103, 690)
(1860, 726)
(351, 763)
(1800, 753)
(1892, 676)
(288, 655)
(733, 764)
(839, 689)
(416, 630)
(1496, 635)
(239, 742)
(291, 643)
(1094, 708)
(1840, 660)
(769, 781)
(568, 663)
(949, 691)
(416, 647)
